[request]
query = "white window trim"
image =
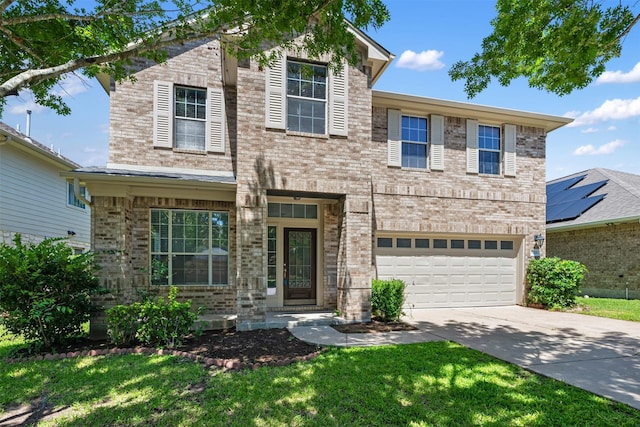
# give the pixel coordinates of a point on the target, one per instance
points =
(336, 101)
(489, 150)
(71, 192)
(426, 143)
(164, 116)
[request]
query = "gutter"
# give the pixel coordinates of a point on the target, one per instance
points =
(606, 222)
(76, 192)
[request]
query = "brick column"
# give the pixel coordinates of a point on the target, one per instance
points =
(111, 222)
(251, 273)
(354, 260)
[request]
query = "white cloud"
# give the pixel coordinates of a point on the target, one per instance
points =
(612, 109)
(632, 76)
(612, 128)
(71, 85)
(27, 105)
(423, 61)
(590, 130)
(590, 150)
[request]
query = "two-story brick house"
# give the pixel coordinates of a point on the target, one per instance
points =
(293, 186)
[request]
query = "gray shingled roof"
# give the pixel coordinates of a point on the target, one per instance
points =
(35, 145)
(621, 201)
(178, 176)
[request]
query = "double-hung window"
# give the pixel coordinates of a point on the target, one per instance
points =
(414, 142)
(306, 97)
(188, 118)
(190, 106)
(489, 150)
(189, 247)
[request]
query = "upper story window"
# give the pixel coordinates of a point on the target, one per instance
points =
(306, 97)
(190, 118)
(414, 142)
(72, 200)
(489, 150)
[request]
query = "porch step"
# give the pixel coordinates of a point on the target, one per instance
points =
(212, 322)
(276, 319)
(298, 309)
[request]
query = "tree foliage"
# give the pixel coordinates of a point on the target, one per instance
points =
(558, 45)
(42, 41)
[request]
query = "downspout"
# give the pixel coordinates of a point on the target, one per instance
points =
(76, 192)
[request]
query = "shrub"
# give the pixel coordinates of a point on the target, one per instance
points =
(387, 297)
(153, 322)
(554, 282)
(46, 290)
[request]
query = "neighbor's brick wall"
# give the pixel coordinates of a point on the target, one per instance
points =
(608, 252)
(196, 64)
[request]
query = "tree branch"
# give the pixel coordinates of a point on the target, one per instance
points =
(4, 4)
(21, 45)
(626, 30)
(33, 76)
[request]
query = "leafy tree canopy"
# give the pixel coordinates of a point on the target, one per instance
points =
(558, 45)
(41, 41)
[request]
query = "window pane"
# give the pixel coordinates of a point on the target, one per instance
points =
(190, 269)
(440, 243)
(414, 155)
(506, 245)
(306, 95)
(311, 212)
(403, 243)
(274, 210)
(457, 244)
(384, 242)
(422, 243)
(474, 244)
(298, 211)
(490, 244)
(489, 162)
(189, 134)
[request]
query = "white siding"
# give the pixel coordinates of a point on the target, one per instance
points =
(33, 199)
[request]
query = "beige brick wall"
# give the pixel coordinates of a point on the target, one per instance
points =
(453, 201)
(195, 64)
(610, 253)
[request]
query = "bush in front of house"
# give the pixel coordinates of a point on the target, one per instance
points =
(152, 322)
(387, 297)
(554, 282)
(46, 290)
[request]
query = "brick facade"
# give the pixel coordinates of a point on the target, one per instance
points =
(356, 192)
(610, 253)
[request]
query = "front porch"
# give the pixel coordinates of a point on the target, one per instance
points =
(276, 319)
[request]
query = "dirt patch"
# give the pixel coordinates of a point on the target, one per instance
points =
(375, 326)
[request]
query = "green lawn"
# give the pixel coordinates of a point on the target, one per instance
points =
(429, 384)
(613, 308)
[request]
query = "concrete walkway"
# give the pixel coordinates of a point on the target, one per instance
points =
(597, 354)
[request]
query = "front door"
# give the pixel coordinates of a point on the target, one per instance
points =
(299, 266)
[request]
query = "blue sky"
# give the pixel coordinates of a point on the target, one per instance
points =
(427, 37)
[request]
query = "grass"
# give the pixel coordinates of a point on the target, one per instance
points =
(436, 383)
(612, 308)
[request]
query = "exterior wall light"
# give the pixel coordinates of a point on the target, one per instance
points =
(539, 240)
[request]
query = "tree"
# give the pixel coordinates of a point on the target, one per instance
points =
(558, 45)
(42, 41)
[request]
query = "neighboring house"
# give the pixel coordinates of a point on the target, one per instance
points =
(594, 217)
(291, 187)
(35, 200)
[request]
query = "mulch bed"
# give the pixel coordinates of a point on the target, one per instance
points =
(229, 350)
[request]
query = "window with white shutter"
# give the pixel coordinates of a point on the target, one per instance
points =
(188, 118)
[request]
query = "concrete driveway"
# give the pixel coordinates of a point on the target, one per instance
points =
(596, 354)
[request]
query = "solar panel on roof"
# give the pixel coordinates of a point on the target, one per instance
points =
(573, 209)
(575, 193)
(563, 185)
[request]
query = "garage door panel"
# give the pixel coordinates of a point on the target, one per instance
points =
(452, 281)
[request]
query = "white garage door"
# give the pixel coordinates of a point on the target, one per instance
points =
(452, 277)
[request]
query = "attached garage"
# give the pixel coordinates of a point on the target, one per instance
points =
(452, 271)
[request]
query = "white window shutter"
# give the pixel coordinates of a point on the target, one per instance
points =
(472, 146)
(509, 150)
(215, 131)
(162, 114)
(339, 89)
(394, 141)
(275, 94)
(437, 143)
